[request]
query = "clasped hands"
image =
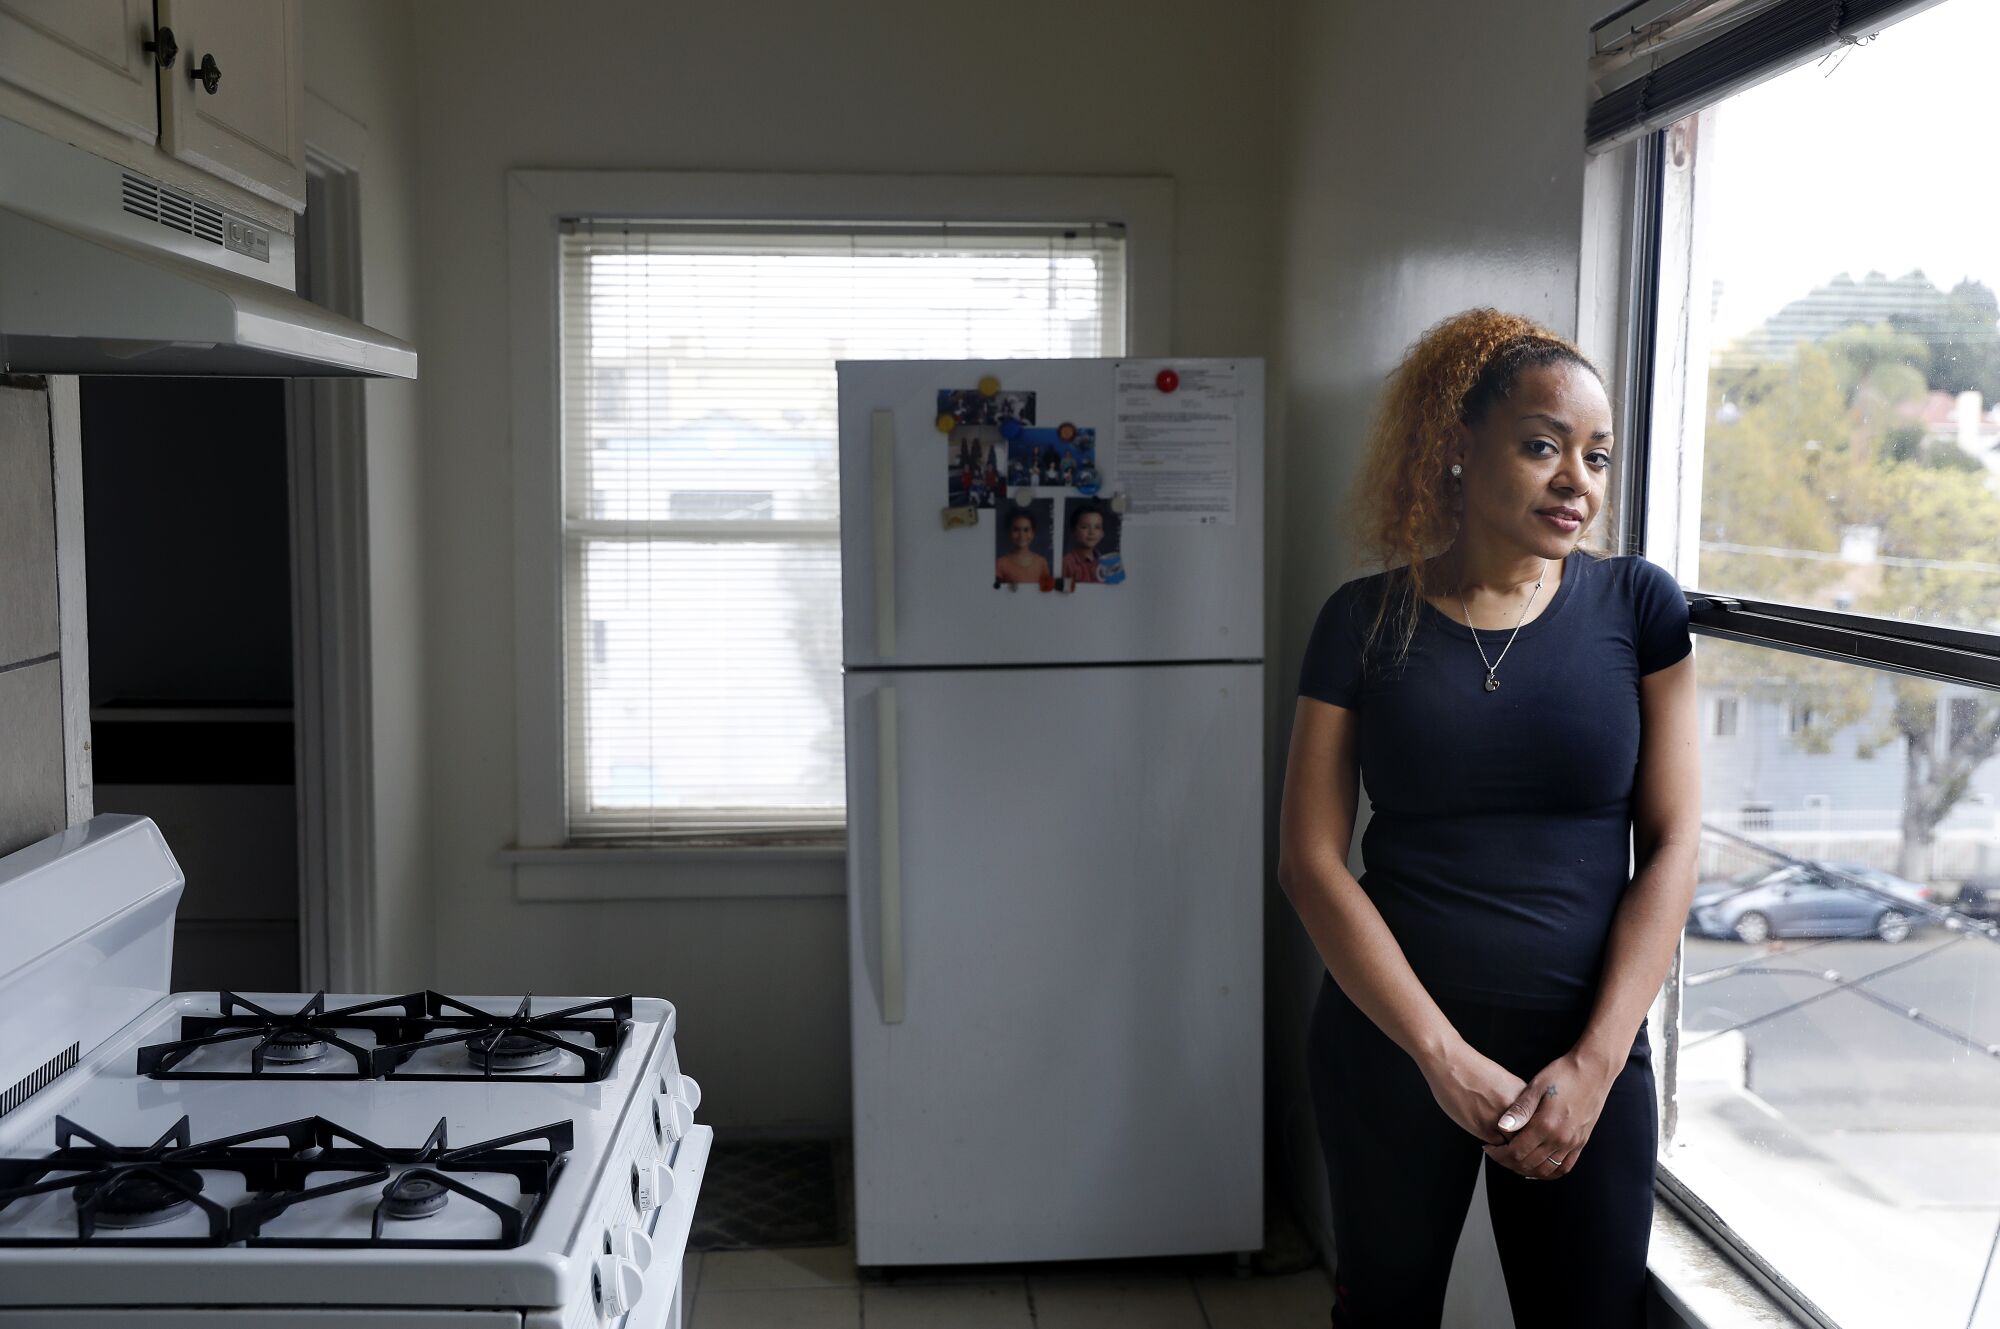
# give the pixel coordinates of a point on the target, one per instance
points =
(1537, 1128)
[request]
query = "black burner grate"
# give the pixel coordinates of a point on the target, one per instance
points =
(109, 1179)
(125, 1189)
(402, 1027)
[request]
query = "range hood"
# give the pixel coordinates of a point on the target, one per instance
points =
(104, 270)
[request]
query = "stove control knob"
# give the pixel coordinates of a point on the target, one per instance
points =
(656, 1187)
(617, 1285)
(690, 1092)
(676, 1117)
(631, 1241)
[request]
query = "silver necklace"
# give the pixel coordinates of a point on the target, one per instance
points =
(1492, 683)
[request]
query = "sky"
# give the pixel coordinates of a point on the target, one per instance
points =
(1878, 157)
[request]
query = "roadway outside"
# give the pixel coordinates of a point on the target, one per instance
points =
(1840, 1108)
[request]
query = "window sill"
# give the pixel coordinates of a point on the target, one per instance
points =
(1700, 1285)
(576, 874)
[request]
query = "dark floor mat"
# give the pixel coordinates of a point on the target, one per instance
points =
(763, 1193)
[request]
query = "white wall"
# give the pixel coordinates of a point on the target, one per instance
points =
(1434, 162)
(1114, 87)
(360, 60)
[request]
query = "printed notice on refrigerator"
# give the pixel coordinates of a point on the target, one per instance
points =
(1175, 442)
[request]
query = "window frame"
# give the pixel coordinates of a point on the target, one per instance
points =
(539, 201)
(1635, 253)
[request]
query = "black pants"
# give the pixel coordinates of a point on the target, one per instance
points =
(1401, 1173)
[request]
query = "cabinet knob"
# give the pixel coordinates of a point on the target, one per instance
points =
(164, 48)
(207, 73)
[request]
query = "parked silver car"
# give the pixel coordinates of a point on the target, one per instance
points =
(1810, 899)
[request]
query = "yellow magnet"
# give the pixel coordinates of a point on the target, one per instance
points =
(946, 422)
(989, 386)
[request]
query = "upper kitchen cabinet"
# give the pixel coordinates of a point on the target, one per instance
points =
(233, 104)
(91, 57)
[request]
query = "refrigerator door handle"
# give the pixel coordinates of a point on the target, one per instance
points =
(883, 474)
(889, 894)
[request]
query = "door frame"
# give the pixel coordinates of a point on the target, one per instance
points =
(332, 646)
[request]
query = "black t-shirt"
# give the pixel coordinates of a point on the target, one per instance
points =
(1500, 841)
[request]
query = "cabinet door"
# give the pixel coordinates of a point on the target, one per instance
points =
(86, 55)
(250, 129)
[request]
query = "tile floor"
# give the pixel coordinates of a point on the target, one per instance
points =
(820, 1288)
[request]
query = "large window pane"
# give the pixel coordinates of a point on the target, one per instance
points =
(1842, 427)
(1839, 1071)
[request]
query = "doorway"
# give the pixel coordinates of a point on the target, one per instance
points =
(227, 584)
(187, 552)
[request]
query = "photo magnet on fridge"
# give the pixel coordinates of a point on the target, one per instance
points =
(1091, 553)
(976, 466)
(970, 406)
(1024, 542)
(1064, 455)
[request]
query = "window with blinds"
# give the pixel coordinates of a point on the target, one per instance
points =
(701, 537)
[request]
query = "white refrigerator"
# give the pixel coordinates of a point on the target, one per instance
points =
(1055, 806)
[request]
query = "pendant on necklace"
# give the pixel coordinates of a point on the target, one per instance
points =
(1492, 683)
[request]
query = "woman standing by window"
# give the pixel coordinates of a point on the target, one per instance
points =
(1522, 713)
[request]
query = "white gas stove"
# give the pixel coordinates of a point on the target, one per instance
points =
(258, 1160)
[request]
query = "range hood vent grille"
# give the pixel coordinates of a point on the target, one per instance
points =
(177, 212)
(106, 270)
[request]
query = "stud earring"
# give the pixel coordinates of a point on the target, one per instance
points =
(1454, 468)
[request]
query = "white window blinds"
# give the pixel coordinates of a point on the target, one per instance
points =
(701, 494)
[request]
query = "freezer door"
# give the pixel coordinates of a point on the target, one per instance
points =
(1055, 917)
(916, 593)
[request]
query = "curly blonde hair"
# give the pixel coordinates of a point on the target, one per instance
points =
(1401, 512)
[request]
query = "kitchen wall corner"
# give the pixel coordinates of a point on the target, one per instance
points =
(1474, 197)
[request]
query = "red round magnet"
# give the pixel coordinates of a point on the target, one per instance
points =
(1166, 380)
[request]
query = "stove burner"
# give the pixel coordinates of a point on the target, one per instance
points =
(293, 1047)
(414, 1037)
(140, 1197)
(291, 1040)
(309, 1164)
(510, 1052)
(414, 1195)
